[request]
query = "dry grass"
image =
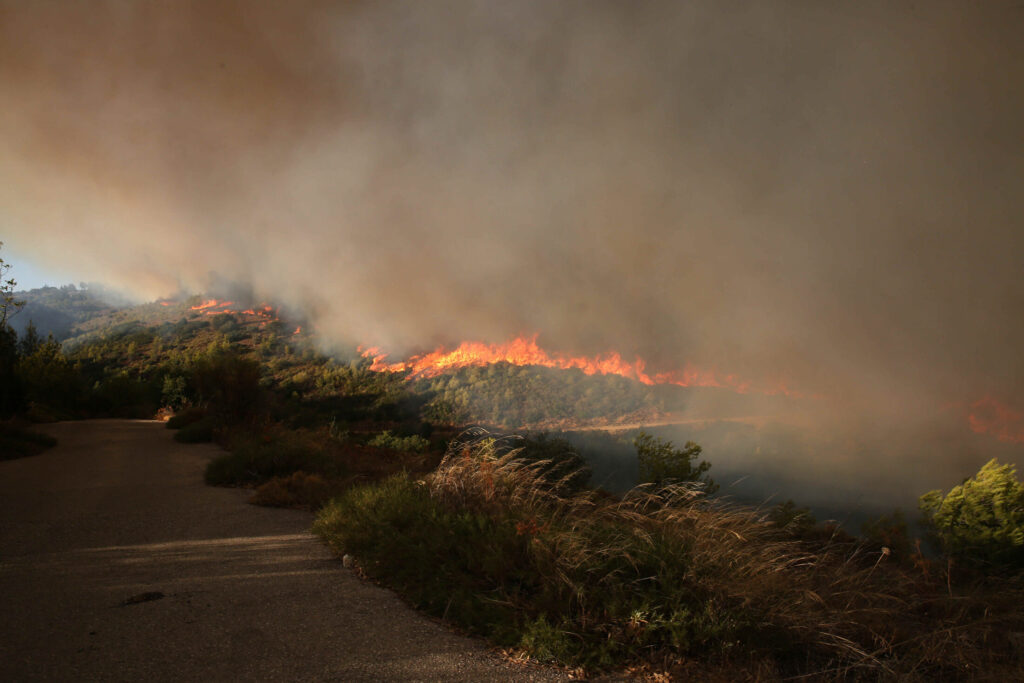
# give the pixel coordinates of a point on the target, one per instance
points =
(666, 577)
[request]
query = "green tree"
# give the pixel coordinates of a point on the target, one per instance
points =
(228, 384)
(48, 377)
(30, 340)
(981, 521)
(11, 395)
(662, 463)
(8, 304)
(174, 391)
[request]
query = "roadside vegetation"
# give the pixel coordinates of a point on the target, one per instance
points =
(665, 578)
(16, 441)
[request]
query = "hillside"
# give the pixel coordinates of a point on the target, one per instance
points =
(143, 338)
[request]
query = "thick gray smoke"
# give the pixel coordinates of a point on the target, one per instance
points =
(827, 194)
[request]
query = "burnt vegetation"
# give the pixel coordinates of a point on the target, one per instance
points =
(506, 535)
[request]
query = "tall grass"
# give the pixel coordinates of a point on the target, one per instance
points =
(661, 577)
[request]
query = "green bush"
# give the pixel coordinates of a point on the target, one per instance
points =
(446, 562)
(258, 460)
(228, 383)
(661, 463)
(199, 431)
(407, 444)
(981, 521)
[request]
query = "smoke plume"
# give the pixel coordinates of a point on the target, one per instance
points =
(823, 194)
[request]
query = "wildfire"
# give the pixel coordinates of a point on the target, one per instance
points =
(211, 303)
(992, 417)
(217, 307)
(524, 351)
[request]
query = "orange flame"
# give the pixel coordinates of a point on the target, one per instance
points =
(992, 417)
(211, 303)
(524, 351)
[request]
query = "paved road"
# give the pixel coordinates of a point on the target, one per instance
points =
(118, 510)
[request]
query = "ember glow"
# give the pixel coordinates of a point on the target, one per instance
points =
(525, 351)
(993, 417)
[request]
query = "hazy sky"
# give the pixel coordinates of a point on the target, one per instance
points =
(825, 193)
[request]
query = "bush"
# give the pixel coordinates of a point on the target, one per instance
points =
(407, 444)
(257, 460)
(661, 463)
(19, 443)
(229, 384)
(186, 418)
(199, 431)
(981, 521)
(301, 490)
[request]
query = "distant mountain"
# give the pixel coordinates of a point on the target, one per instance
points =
(59, 310)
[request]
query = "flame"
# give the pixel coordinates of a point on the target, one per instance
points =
(993, 417)
(524, 351)
(211, 303)
(298, 330)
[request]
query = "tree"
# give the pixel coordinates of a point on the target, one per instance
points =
(981, 521)
(662, 463)
(11, 396)
(8, 304)
(30, 340)
(48, 378)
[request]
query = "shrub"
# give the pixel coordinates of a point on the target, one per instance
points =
(256, 460)
(300, 489)
(796, 521)
(228, 383)
(661, 463)
(185, 418)
(981, 521)
(199, 431)
(411, 444)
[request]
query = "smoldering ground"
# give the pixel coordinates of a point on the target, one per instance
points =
(823, 194)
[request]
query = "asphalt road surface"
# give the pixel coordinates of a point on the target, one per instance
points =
(118, 563)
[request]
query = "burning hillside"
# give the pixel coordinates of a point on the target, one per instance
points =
(525, 351)
(995, 418)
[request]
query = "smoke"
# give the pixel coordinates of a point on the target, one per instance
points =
(825, 194)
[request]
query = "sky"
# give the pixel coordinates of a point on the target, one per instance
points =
(30, 275)
(825, 195)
